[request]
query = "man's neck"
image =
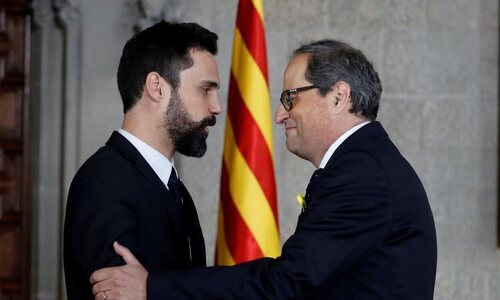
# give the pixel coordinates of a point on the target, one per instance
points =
(150, 133)
(344, 126)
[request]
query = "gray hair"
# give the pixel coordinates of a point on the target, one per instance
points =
(332, 61)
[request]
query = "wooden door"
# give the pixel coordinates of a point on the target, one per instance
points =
(15, 173)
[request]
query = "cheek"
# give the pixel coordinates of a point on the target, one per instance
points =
(196, 113)
(313, 124)
(309, 132)
(306, 121)
(192, 106)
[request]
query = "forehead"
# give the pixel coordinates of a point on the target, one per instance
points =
(204, 67)
(295, 72)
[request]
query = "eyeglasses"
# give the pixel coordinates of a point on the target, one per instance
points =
(286, 97)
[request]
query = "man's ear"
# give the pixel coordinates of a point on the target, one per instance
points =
(156, 87)
(342, 95)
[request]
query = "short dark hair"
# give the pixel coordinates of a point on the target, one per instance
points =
(332, 61)
(163, 48)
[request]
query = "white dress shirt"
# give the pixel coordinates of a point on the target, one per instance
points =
(158, 162)
(337, 143)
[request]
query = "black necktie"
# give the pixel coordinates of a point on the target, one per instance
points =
(191, 223)
(312, 183)
(174, 186)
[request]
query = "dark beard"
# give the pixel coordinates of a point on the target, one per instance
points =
(189, 137)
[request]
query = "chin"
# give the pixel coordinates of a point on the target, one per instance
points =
(295, 149)
(292, 148)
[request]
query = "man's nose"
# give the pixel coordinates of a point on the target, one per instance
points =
(281, 114)
(215, 107)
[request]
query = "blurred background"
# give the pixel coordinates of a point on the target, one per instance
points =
(438, 61)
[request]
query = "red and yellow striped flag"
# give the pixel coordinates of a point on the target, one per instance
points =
(248, 213)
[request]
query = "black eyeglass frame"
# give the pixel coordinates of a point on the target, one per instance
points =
(286, 99)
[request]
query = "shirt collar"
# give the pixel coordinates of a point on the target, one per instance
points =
(337, 143)
(158, 162)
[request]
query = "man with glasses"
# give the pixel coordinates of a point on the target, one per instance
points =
(366, 231)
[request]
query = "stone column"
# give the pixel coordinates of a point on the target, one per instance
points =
(55, 82)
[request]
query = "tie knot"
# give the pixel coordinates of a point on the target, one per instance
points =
(173, 185)
(173, 178)
(312, 182)
(315, 176)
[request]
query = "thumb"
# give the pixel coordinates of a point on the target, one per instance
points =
(127, 256)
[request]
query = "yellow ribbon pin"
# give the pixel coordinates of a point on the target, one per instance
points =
(302, 201)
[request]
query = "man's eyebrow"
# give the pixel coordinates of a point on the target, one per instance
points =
(211, 83)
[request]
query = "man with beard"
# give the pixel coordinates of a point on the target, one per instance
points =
(366, 230)
(129, 190)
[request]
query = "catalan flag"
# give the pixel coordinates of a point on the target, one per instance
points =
(248, 213)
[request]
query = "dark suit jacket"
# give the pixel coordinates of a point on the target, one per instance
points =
(367, 233)
(116, 195)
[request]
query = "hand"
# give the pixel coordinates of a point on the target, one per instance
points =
(126, 282)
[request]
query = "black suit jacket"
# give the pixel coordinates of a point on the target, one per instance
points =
(367, 233)
(116, 195)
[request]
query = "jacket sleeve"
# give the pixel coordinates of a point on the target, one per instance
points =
(348, 215)
(100, 210)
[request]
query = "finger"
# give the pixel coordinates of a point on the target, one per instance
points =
(96, 289)
(98, 296)
(103, 296)
(110, 295)
(101, 274)
(101, 287)
(127, 256)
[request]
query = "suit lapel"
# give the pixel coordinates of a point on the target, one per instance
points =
(172, 207)
(368, 131)
(129, 152)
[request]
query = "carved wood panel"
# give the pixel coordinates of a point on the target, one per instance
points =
(15, 173)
